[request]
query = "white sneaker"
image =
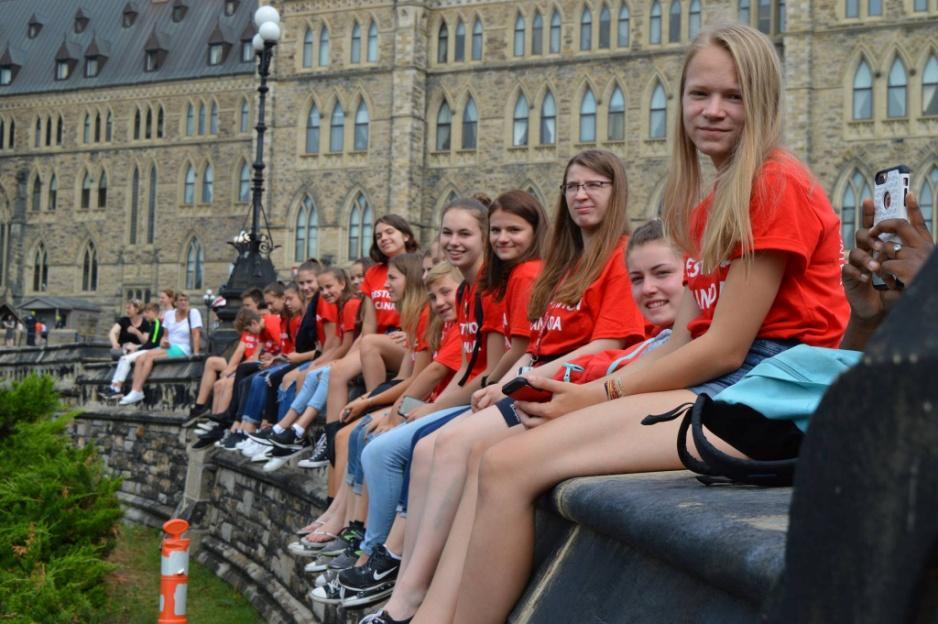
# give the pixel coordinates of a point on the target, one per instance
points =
(262, 454)
(248, 448)
(275, 463)
(135, 396)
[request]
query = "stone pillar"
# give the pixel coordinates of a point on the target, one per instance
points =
(797, 69)
(408, 109)
(16, 269)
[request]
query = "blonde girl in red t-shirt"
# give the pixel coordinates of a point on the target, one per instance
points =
(763, 272)
(581, 304)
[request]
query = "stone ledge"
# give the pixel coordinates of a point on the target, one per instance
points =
(129, 415)
(299, 483)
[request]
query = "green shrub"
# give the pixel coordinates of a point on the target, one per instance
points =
(58, 513)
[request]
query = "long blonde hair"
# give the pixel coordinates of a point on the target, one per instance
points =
(759, 74)
(568, 271)
(411, 303)
(439, 271)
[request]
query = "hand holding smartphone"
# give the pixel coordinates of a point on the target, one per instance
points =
(408, 405)
(521, 390)
(892, 185)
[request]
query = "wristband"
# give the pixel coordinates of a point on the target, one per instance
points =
(614, 389)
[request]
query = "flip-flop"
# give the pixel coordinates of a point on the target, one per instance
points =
(309, 528)
(324, 537)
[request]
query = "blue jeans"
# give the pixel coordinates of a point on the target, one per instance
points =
(257, 395)
(385, 460)
(312, 394)
(354, 472)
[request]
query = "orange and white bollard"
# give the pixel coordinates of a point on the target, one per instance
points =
(175, 573)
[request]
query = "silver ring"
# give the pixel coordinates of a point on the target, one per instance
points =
(896, 248)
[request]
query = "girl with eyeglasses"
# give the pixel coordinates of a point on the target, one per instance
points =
(762, 272)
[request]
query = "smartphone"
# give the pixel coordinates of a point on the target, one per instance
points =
(409, 404)
(892, 186)
(520, 390)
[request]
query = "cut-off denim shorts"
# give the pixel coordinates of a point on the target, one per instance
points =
(761, 349)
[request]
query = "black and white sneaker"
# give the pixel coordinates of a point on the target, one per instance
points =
(110, 393)
(382, 618)
(288, 439)
(279, 455)
(209, 438)
(380, 569)
(196, 412)
(330, 593)
(262, 436)
(347, 559)
(366, 597)
(320, 457)
(232, 440)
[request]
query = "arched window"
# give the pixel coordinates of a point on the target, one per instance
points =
(312, 130)
(863, 92)
(190, 120)
(244, 183)
(658, 114)
(548, 129)
(356, 49)
(674, 21)
(40, 269)
(159, 122)
(137, 124)
(373, 42)
(201, 118)
(134, 205)
(361, 230)
(195, 261)
(780, 16)
(615, 125)
(109, 127)
(86, 129)
(743, 12)
(896, 90)
(89, 269)
(444, 124)
(53, 193)
(213, 119)
(58, 132)
(537, 34)
(519, 35)
(48, 131)
(37, 193)
(188, 195)
(308, 48)
(555, 32)
(148, 128)
(361, 127)
(765, 16)
(927, 197)
(693, 22)
(586, 29)
(459, 51)
(588, 117)
(477, 40)
(442, 43)
(654, 32)
(323, 46)
(605, 28)
(929, 87)
(307, 231)
(519, 135)
(86, 185)
(470, 125)
(855, 191)
(337, 129)
(208, 184)
(245, 121)
(38, 137)
(102, 191)
(151, 207)
(622, 32)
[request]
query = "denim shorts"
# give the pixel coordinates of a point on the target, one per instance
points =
(175, 351)
(761, 349)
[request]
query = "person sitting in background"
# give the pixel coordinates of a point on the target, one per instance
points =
(150, 340)
(9, 331)
(122, 339)
(182, 339)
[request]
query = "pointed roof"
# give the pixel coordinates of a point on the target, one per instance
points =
(98, 47)
(11, 57)
(68, 51)
(157, 41)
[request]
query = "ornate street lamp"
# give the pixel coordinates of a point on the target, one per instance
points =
(253, 267)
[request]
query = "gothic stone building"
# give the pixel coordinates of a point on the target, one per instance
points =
(127, 126)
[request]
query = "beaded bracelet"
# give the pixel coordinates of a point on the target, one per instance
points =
(614, 389)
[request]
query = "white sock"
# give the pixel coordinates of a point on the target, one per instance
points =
(278, 429)
(299, 430)
(393, 554)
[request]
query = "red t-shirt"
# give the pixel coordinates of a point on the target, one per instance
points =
(325, 313)
(289, 332)
(469, 327)
(449, 354)
(420, 340)
(512, 319)
(249, 341)
(349, 316)
(374, 287)
(789, 212)
(270, 338)
(606, 310)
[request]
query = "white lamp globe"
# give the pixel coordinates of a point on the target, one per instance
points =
(258, 43)
(269, 31)
(266, 14)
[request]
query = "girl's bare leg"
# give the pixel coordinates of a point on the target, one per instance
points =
(419, 480)
(213, 366)
(337, 475)
(221, 394)
(604, 439)
(143, 366)
(395, 541)
(341, 374)
(379, 354)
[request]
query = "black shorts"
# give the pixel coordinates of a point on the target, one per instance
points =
(756, 436)
(506, 407)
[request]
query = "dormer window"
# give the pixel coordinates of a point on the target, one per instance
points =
(231, 6)
(151, 62)
(81, 22)
(9, 66)
(247, 51)
(62, 70)
(35, 26)
(128, 18)
(155, 54)
(179, 10)
(216, 53)
(91, 66)
(6, 75)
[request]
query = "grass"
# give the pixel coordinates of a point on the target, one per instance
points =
(134, 587)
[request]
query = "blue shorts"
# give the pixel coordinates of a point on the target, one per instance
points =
(761, 349)
(175, 351)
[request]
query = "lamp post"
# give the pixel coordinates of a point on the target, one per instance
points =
(253, 267)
